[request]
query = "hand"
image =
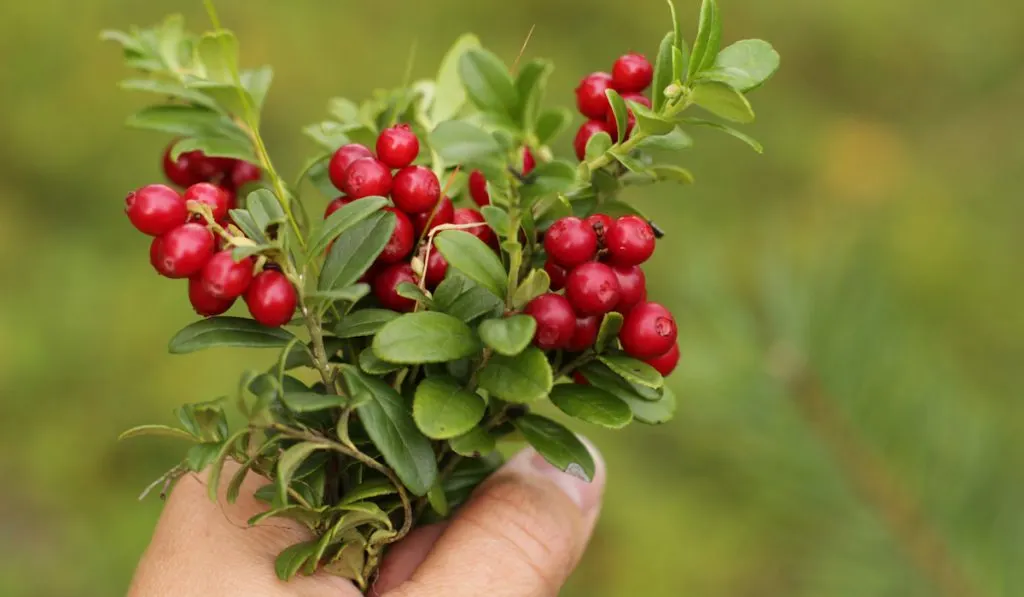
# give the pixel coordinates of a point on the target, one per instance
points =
(520, 535)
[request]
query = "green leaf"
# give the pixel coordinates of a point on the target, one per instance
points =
(290, 561)
(745, 65)
(438, 500)
(216, 147)
(386, 418)
(558, 446)
(460, 297)
(536, 283)
(601, 376)
(524, 378)
(443, 409)
(245, 222)
(676, 140)
(459, 142)
(306, 402)
(228, 331)
(217, 465)
(474, 259)
(509, 335)
(598, 144)
(667, 172)
(650, 122)
(708, 40)
(343, 219)
(364, 322)
(200, 456)
(367, 490)
(722, 100)
(556, 176)
(530, 85)
(552, 123)
(288, 462)
(217, 52)
(488, 82)
(158, 431)
(425, 337)
(350, 294)
(205, 420)
(167, 89)
(257, 82)
(608, 332)
(497, 218)
(474, 444)
(355, 250)
(662, 72)
(621, 113)
(631, 163)
(652, 412)
(449, 95)
(265, 209)
(374, 365)
(725, 129)
(413, 293)
(592, 405)
(633, 370)
(180, 120)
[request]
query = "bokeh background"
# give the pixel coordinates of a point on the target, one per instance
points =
(851, 420)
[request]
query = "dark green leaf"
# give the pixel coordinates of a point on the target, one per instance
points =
(374, 365)
(200, 456)
(228, 331)
(443, 409)
(556, 176)
(727, 130)
(722, 100)
(592, 405)
(530, 85)
(368, 490)
(460, 297)
(288, 462)
(509, 335)
(459, 142)
(291, 560)
(601, 376)
(364, 322)
(412, 292)
(355, 251)
(265, 209)
(474, 444)
(557, 445)
(633, 370)
(305, 402)
(598, 144)
(438, 500)
(245, 222)
(552, 123)
(662, 72)
(608, 332)
(621, 113)
(298, 513)
(708, 40)
(449, 95)
(536, 283)
(488, 82)
(217, 465)
(474, 259)
(425, 337)
(342, 220)
(671, 173)
(350, 294)
(524, 378)
(158, 431)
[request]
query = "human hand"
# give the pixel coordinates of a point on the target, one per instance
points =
(520, 535)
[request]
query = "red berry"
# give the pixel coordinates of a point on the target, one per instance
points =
(156, 257)
(529, 163)
(648, 331)
(478, 188)
(465, 215)
(600, 223)
(590, 95)
(335, 205)
(579, 379)
(342, 159)
(630, 241)
(632, 72)
(155, 209)
(666, 363)
(570, 242)
(203, 302)
(588, 130)
(415, 189)
(592, 289)
(556, 321)
(181, 171)
(205, 168)
(436, 269)
(217, 198)
(402, 239)
(243, 173)
(385, 287)
(585, 334)
(271, 298)
(442, 214)
(632, 287)
(366, 177)
(556, 273)
(398, 146)
(185, 250)
(613, 125)
(224, 278)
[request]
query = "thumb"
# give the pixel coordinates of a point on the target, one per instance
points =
(520, 535)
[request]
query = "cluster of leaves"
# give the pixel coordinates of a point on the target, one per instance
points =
(370, 421)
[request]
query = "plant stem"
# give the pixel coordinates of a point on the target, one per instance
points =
(630, 144)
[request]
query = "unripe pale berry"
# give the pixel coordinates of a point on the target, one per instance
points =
(398, 146)
(185, 250)
(366, 177)
(385, 287)
(570, 241)
(342, 159)
(588, 130)
(402, 239)
(442, 214)
(224, 278)
(556, 321)
(203, 303)
(666, 363)
(465, 215)
(585, 334)
(478, 188)
(218, 199)
(415, 189)
(649, 330)
(632, 287)
(271, 298)
(632, 72)
(155, 209)
(630, 241)
(592, 289)
(590, 95)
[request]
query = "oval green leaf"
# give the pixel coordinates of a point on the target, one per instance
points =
(662, 71)
(443, 409)
(364, 322)
(557, 445)
(510, 335)
(745, 65)
(474, 259)
(592, 405)
(524, 378)
(474, 444)
(620, 111)
(634, 370)
(459, 142)
(449, 95)
(723, 101)
(234, 332)
(355, 251)
(488, 83)
(425, 337)
(342, 220)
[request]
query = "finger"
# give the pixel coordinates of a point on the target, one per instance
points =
(404, 557)
(520, 535)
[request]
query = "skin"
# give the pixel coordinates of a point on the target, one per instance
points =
(521, 535)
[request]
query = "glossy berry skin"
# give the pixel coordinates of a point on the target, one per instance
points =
(556, 321)
(588, 130)
(402, 239)
(443, 213)
(415, 189)
(224, 278)
(648, 331)
(155, 209)
(181, 171)
(600, 223)
(342, 159)
(590, 95)
(203, 302)
(556, 273)
(271, 298)
(215, 197)
(184, 251)
(464, 215)
(437, 268)
(243, 173)
(579, 379)
(632, 72)
(385, 287)
(397, 146)
(631, 117)
(632, 287)
(366, 177)
(585, 334)
(156, 258)
(478, 188)
(335, 205)
(666, 363)
(570, 241)
(592, 289)
(630, 241)
(529, 163)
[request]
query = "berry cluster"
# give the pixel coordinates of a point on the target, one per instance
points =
(194, 167)
(631, 76)
(478, 184)
(597, 262)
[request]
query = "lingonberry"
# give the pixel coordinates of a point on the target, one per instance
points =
(335, 205)
(342, 159)
(436, 268)
(398, 146)
(271, 298)
(203, 302)
(666, 363)
(631, 117)
(478, 188)
(590, 95)
(570, 241)
(632, 72)
(556, 321)
(385, 287)
(215, 197)
(155, 209)
(630, 241)
(185, 250)
(243, 173)
(579, 379)
(402, 239)
(585, 334)
(442, 214)
(529, 163)
(465, 215)
(632, 287)
(181, 171)
(415, 189)
(588, 130)
(649, 330)
(592, 289)
(556, 274)
(224, 278)
(156, 258)
(366, 177)
(600, 223)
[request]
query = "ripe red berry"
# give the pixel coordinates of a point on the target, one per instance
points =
(613, 125)
(649, 330)
(155, 209)
(632, 287)
(590, 95)
(398, 146)
(415, 189)
(600, 223)
(630, 241)
(465, 215)
(185, 250)
(478, 188)
(592, 289)
(666, 363)
(402, 239)
(556, 321)
(335, 205)
(243, 173)
(156, 257)
(529, 163)
(385, 287)
(217, 198)
(203, 302)
(271, 298)
(632, 72)
(224, 278)
(588, 130)
(436, 269)
(442, 214)
(556, 274)
(585, 334)
(570, 241)
(342, 159)
(579, 379)
(366, 177)
(181, 171)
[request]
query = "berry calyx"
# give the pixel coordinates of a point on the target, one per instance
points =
(529, 163)
(648, 331)
(556, 321)
(556, 273)
(224, 278)
(366, 177)
(185, 250)
(590, 95)
(465, 215)
(570, 242)
(203, 303)
(335, 205)
(436, 268)
(271, 298)
(600, 223)
(592, 289)
(402, 239)
(215, 197)
(342, 159)
(630, 241)
(666, 363)
(632, 287)
(443, 213)
(588, 130)
(478, 188)
(398, 146)
(632, 72)
(415, 189)
(155, 209)
(585, 334)
(243, 173)
(385, 287)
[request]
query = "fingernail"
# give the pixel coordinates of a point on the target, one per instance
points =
(583, 493)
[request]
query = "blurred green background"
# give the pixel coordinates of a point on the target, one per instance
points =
(874, 250)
